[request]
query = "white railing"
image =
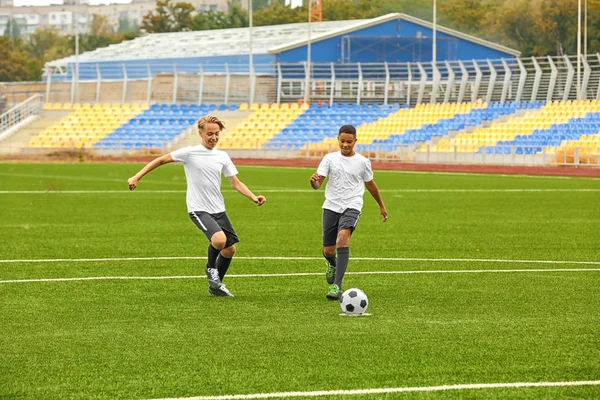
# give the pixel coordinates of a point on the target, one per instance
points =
(525, 79)
(20, 115)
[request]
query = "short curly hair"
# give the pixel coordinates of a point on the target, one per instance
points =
(347, 129)
(210, 119)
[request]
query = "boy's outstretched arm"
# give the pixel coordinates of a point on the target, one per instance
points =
(240, 187)
(374, 190)
(157, 162)
(316, 180)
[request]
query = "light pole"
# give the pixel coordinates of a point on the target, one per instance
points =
(434, 51)
(250, 56)
(579, 50)
(308, 55)
(76, 51)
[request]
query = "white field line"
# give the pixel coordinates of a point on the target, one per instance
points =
(481, 260)
(591, 190)
(471, 386)
(296, 274)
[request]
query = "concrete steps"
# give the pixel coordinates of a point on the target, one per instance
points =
(14, 143)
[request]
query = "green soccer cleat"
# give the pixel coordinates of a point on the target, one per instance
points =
(330, 273)
(334, 292)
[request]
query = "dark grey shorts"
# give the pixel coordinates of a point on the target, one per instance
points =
(334, 222)
(213, 223)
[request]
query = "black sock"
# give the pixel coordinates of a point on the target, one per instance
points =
(343, 255)
(223, 266)
(332, 259)
(212, 256)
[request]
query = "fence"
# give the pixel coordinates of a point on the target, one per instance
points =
(525, 79)
(19, 116)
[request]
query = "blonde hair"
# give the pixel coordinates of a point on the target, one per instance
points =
(210, 119)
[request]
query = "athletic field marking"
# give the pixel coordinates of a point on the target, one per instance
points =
(470, 386)
(458, 271)
(399, 171)
(482, 260)
(305, 191)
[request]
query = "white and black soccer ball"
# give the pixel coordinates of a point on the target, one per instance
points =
(354, 302)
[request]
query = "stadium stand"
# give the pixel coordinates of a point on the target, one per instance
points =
(539, 127)
(84, 126)
(319, 125)
(155, 127)
(261, 125)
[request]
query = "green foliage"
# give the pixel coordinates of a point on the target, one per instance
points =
(278, 13)
(127, 26)
(168, 17)
(12, 29)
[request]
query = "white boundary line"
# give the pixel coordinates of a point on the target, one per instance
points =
(481, 260)
(459, 271)
(471, 386)
(590, 190)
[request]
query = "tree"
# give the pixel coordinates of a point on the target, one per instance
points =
(340, 10)
(237, 15)
(127, 26)
(15, 65)
(99, 25)
(12, 29)
(46, 45)
(278, 13)
(168, 17)
(514, 26)
(209, 19)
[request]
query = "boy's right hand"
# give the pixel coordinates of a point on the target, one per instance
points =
(132, 182)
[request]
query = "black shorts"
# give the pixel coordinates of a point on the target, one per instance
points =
(334, 222)
(213, 223)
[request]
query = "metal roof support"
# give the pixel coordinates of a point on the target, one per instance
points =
(492, 82)
(306, 81)
(332, 87)
(201, 84)
(463, 81)
(522, 78)
(175, 83)
(252, 84)
(553, 76)
(227, 82)
(478, 78)
(436, 83)
(536, 80)
(149, 94)
(587, 72)
(279, 82)
(123, 98)
(506, 83)
(450, 82)
(360, 84)
(408, 86)
(72, 84)
(570, 76)
(422, 83)
(98, 82)
(48, 82)
(386, 84)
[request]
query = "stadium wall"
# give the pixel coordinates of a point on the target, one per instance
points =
(408, 34)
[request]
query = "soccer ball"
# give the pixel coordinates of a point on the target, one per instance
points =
(354, 302)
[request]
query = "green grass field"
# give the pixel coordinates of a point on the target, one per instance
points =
(529, 321)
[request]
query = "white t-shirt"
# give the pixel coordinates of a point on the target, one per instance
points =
(346, 184)
(203, 168)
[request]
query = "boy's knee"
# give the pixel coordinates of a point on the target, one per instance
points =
(218, 240)
(228, 252)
